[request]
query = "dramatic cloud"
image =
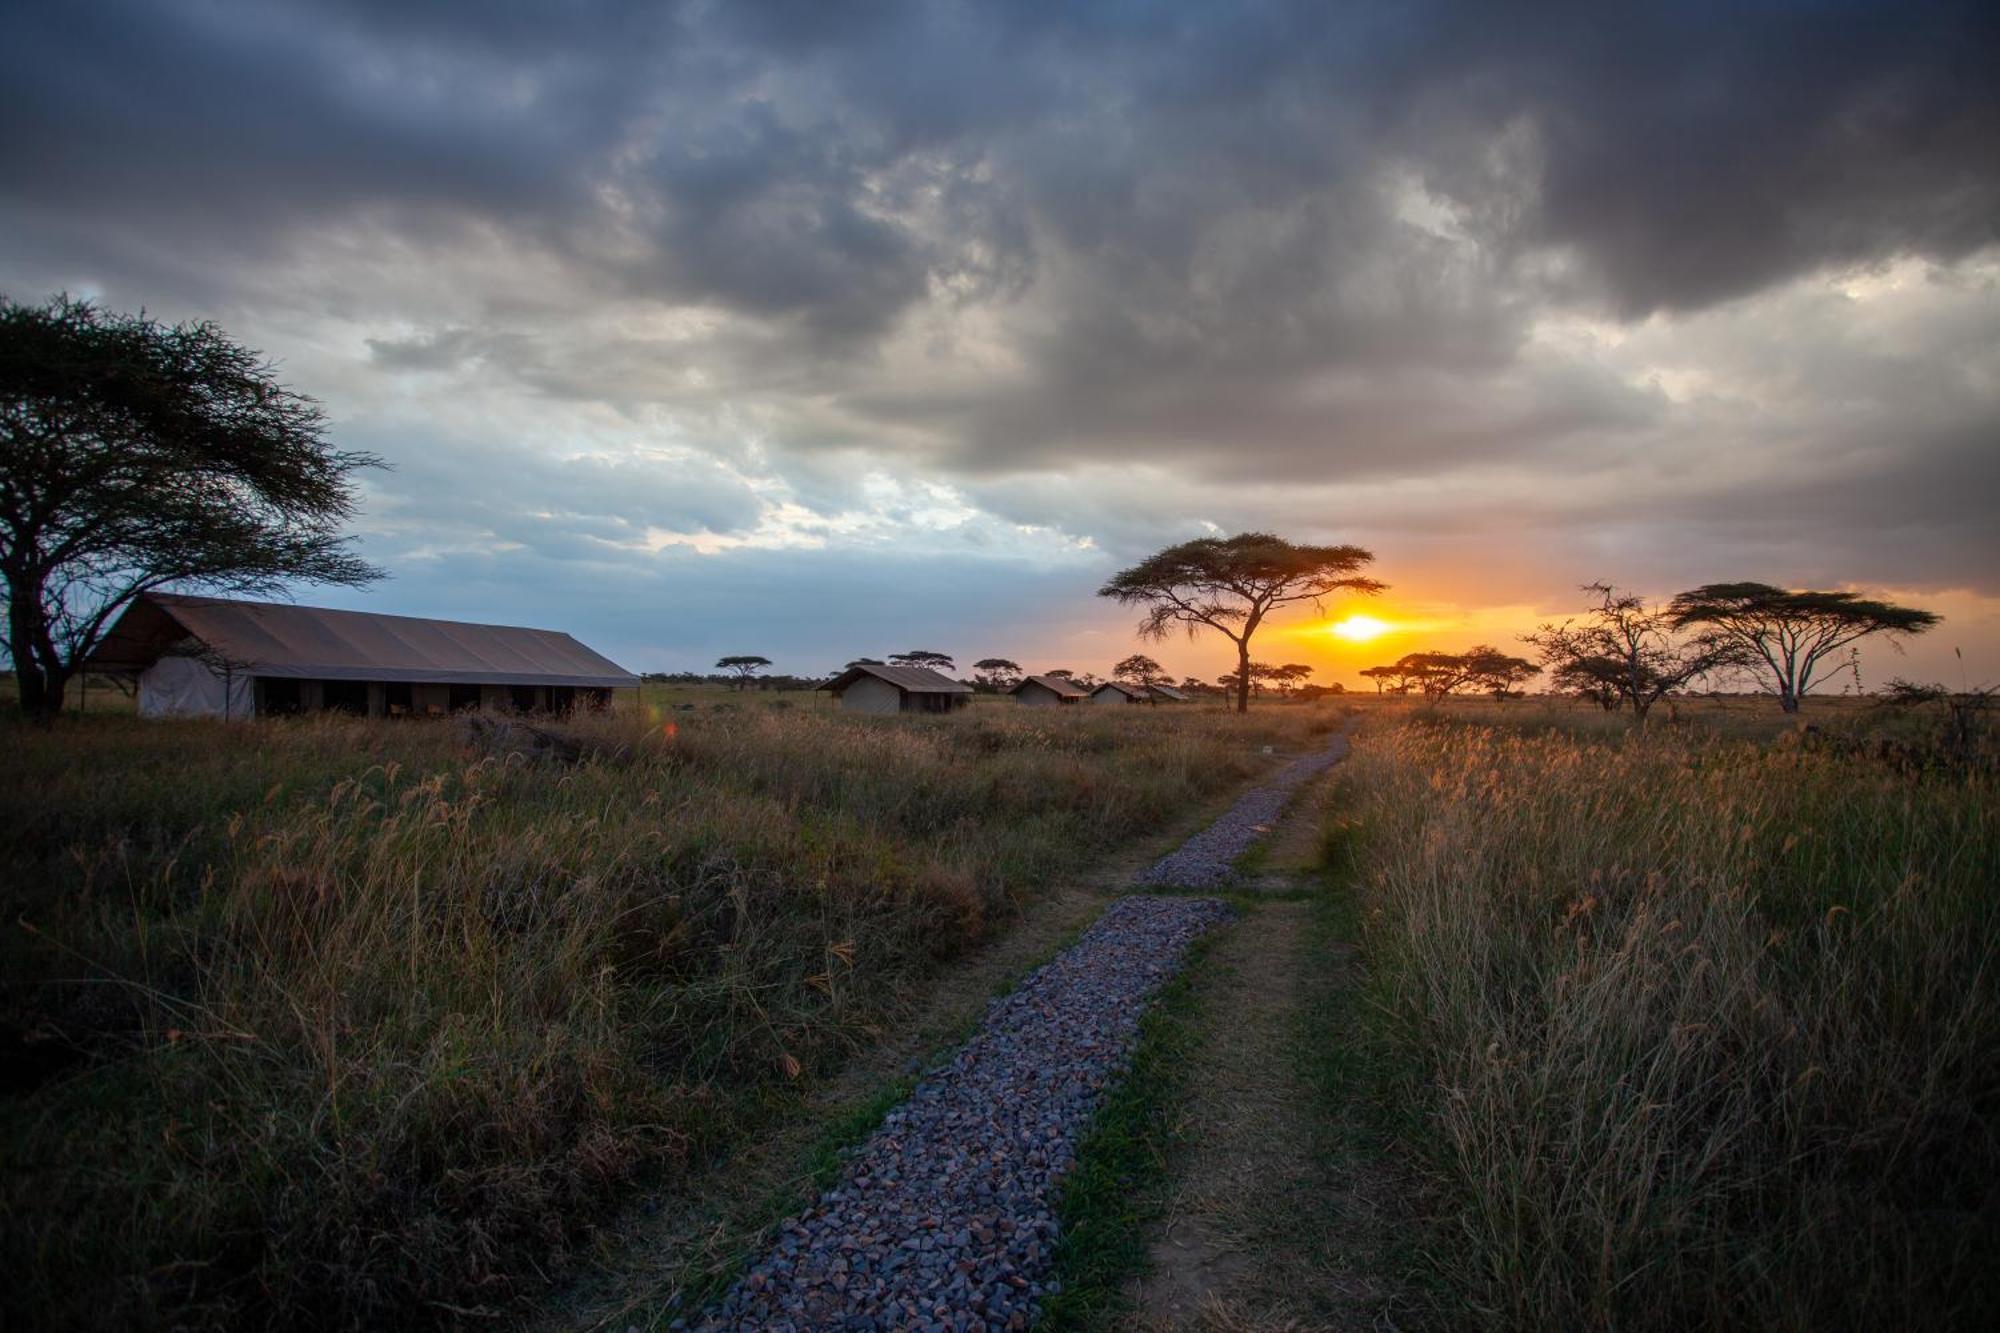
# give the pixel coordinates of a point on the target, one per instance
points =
(800, 321)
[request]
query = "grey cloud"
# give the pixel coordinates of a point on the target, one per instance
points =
(1233, 263)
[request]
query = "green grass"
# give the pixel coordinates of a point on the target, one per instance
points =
(366, 1027)
(1117, 1187)
(1690, 1030)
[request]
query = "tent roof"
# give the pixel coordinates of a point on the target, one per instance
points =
(310, 642)
(1169, 692)
(1061, 685)
(1129, 691)
(910, 680)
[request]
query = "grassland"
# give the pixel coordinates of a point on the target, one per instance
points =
(1695, 1027)
(331, 1022)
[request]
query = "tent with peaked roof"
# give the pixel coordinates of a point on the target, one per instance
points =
(213, 657)
(871, 687)
(1043, 691)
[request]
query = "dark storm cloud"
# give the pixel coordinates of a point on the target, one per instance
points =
(1250, 251)
(756, 152)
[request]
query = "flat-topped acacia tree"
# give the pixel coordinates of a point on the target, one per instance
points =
(744, 666)
(1792, 636)
(998, 674)
(1231, 584)
(923, 657)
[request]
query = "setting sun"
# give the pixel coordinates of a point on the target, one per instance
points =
(1358, 629)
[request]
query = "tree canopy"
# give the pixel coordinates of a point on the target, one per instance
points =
(1623, 652)
(1231, 584)
(1139, 669)
(1438, 674)
(1790, 637)
(136, 455)
(743, 667)
(923, 657)
(996, 673)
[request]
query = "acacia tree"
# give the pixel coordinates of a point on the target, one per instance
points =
(1290, 676)
(1139, 669)
(1489, 669)
(1624, 652)
(136, 455)
(1383, 675)
(1440, 674)
(921, 657)
(996, 673)
(1433, 674)
(1231, 584)
(1256, 675)
(1790, 636)
(743, 667)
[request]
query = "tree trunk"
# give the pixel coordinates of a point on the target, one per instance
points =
(1243, 675)
(1788, 699)
(40, 693)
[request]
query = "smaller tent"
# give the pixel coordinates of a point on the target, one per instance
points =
(1166, 694)
(1118, 692)
(870, 687)
(1046, 691)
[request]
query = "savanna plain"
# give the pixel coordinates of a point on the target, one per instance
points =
(335, 1022)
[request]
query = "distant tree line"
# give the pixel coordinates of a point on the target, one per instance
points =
(1622, 652)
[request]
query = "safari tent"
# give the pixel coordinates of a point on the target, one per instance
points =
(1047, 691)
(869, 687)
(1167, 694)
(1118, 692)
(211, 657)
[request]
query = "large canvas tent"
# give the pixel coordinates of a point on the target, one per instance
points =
(211, 657)
(869, 687)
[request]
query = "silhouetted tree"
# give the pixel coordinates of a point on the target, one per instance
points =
(1489, 669)
(743, 668)
(1790, 636)
(864, 661)
(996, 674)
(1290, 676)
(1253, 679)
(136, 455)
(1625, 652)
(1139, 669)
(1230, 584)
(919, 657)
(1382, 675)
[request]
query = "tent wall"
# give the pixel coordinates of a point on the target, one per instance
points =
(188, 687)
(869, 695)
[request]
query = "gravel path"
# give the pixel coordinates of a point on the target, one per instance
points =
(1208, 859)
(944, 1218)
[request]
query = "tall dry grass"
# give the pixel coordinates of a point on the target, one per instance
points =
(333, 1022)
(1696, 1032)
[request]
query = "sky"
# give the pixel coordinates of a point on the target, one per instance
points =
(826, 330)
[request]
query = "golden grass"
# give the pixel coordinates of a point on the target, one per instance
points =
(1699, 1032)
(370, 1028)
